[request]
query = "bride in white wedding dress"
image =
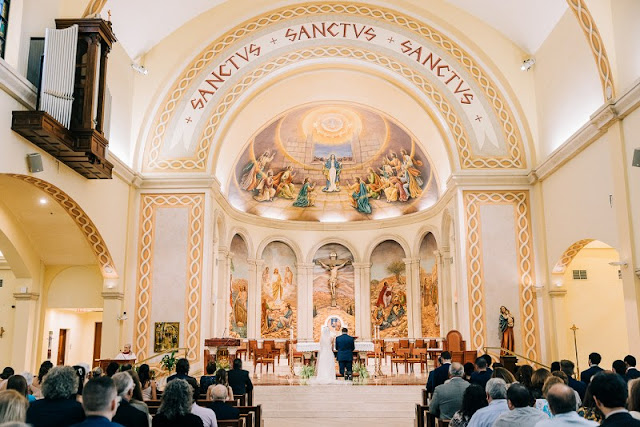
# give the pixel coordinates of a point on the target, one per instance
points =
(326, 364)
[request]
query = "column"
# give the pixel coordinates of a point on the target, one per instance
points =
(362, 277)
(305, 301)
(446, 306)
(222, 289)
(253, 300)
(414, 314)
(357, 287)
(560, 324)
(23, 350)
(112, 310)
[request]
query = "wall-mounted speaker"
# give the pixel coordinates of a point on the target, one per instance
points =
(636, 158)
(34, 161)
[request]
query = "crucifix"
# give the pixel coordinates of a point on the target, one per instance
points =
(332, 265)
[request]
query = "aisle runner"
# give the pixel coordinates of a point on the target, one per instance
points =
(340, 405)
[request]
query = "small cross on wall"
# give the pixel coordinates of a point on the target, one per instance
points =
(188, 120)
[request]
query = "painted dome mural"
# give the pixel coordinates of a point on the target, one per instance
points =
(333, 163)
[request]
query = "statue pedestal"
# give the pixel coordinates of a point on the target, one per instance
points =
(509, 363)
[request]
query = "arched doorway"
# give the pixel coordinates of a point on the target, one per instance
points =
(586, 291)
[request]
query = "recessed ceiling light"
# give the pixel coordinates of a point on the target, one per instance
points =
(43, 201)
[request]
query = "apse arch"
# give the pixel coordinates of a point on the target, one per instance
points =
(246, 237)
(282, 239)
(387, 237)
(503, 106)
(16, 249)
(421, 234)
(335, 240)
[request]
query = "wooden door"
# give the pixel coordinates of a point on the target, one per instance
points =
(97, 339)
(62, 347)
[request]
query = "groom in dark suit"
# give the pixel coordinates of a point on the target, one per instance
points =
(345, 345)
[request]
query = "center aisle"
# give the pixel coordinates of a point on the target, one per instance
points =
(338, 405)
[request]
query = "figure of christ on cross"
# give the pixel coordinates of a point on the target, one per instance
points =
(332, 265)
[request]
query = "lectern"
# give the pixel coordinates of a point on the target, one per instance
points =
(218, 348)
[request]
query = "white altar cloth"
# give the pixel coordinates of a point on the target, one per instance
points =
(315, 346)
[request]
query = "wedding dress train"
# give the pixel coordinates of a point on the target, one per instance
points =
(326, 363)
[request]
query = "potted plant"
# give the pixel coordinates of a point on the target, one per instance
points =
(168, 361)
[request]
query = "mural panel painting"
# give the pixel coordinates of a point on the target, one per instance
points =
(279, 295)
(327, 161)
(333, 290)
(429, 290)
(239, 288)
(389, 290)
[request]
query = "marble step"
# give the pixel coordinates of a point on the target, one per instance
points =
(339, 422)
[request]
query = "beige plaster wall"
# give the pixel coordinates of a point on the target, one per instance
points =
(568, 88)
(76, 287)
(80, 334)
(596, 306)
(627, 41)
(631, 129)
(6, 315)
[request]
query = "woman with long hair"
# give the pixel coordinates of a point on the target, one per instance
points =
(149, 385)
(37, 382)
(503, 373)
(524, 374)
(222, 379)
(13, 407)
(474, 398)
(175, 407)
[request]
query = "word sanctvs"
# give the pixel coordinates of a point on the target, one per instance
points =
(222, 71)
(332, 30)
(448, 75)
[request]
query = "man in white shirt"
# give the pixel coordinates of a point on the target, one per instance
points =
(207, 415)
(497, 397)
(562, 402)
(520, 414)
(126, 353)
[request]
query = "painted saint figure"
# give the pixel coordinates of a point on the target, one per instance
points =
(276, 285)
(253, 172)
(332, 265)
(266, 192)
(305, 198)
(361, 197)
(507, 321)
(331, 171)
(288, 276)
(284, 183)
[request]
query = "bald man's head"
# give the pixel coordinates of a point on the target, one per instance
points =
(561, 399)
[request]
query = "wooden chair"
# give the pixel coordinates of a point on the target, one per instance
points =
(454, 341)
(403, 343)
(390, 351)
(420, 343)
(241, 352)
(263, 356)
(377, 351)
(253, 344)
(400, 356)
(417, 355)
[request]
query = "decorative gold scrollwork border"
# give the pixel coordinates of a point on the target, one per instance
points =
(588, 25)
(150, 203)
(166, 112)
(82, 220)
(475, 274)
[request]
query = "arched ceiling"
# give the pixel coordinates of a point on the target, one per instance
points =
(526, 23)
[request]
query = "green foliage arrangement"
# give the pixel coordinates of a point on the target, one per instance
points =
(361, 370)
(168, 361)
(307, 371)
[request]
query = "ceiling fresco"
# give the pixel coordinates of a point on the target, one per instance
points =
(333, 162)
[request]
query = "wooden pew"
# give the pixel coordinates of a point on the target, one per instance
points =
(240, 422)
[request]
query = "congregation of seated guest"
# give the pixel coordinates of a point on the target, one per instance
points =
(523, 376)
(440, 374)
(100, 402)
(520, 412)
(137, 400)
(182, 373)
(45, 367)
(631, 372)
(504, 374)
(565, 379)
(562, 402)
(447, 397)
(496, 390)
(589, 410)
(206, 414)
(610, 394)
(126, 414)
(474, 398)
(208, 380)
(149, 385)
(567, 367)
(222, 409)
(175, 406)
(221, 379)
(13, 407)
(239, 379)
(4, 376)
(483, 372)
(59, 406)
(594, 368)
(19, 384)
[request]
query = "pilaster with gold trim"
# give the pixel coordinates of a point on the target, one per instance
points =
(25, 326)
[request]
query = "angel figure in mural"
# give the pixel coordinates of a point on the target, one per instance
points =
(284, 183)
(506, 324)
(332, 265)
(331, 170)
(305, 195)
(266, 190)
(265, 276)
(252, 173)
(276, 285)
(360, 197)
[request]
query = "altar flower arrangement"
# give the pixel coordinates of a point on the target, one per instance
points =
(307, 371)
(168, 361)
(360, 373)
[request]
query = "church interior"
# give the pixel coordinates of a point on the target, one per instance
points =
(217, 179)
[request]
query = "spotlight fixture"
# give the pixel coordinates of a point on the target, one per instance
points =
(43, 201)
(619, 264)
(140, 69)
(122, 317)
(527, 64)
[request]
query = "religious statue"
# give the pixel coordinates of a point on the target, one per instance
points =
(332, 265)
(507, 341)
(331, 171)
